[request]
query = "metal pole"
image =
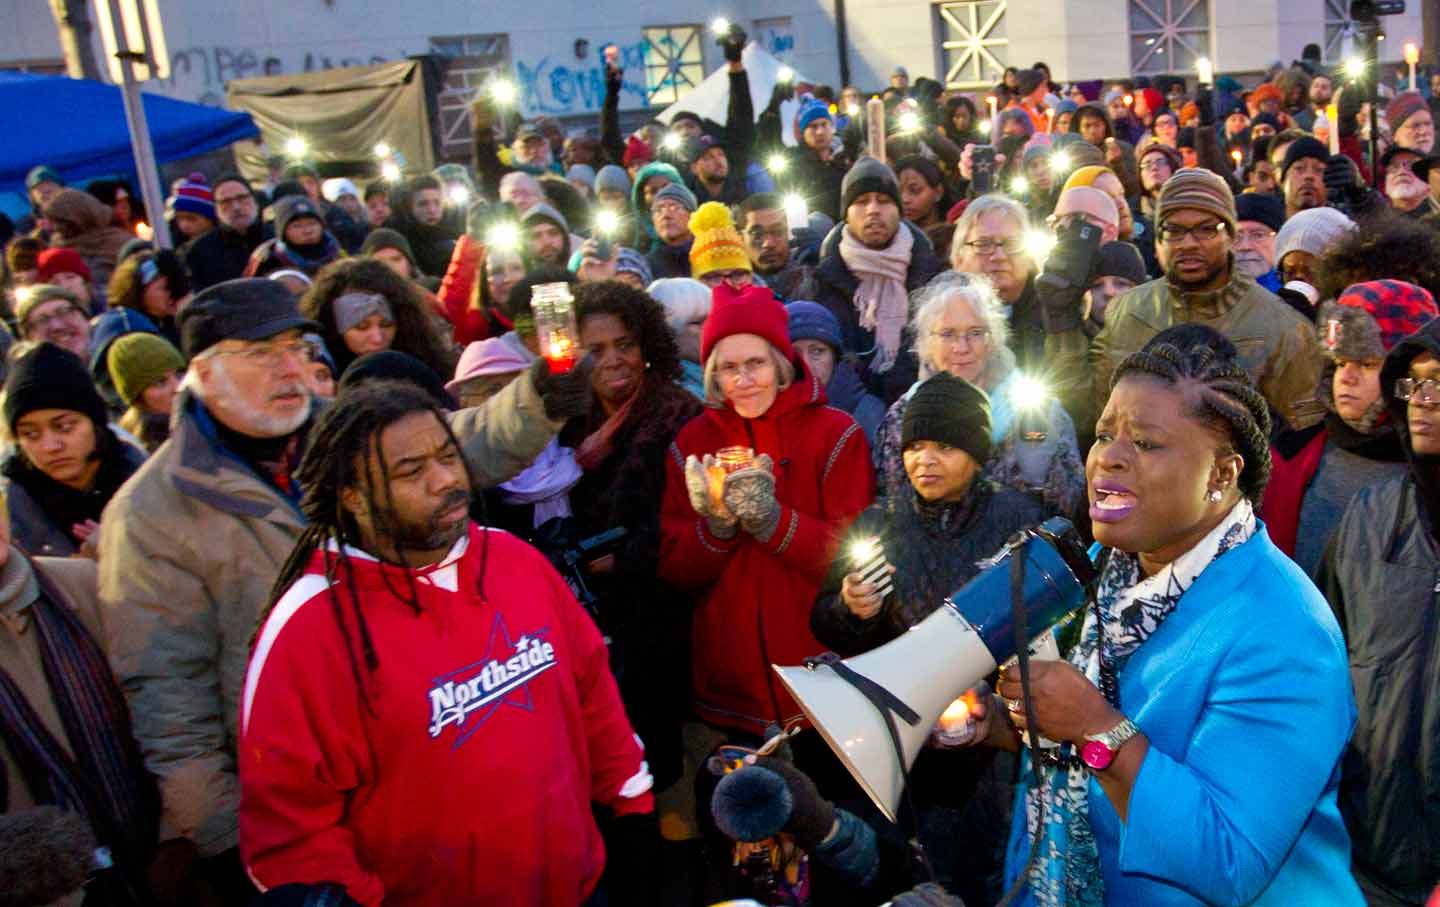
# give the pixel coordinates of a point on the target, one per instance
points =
(842, 42)
(145, 167)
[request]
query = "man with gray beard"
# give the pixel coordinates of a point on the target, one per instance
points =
(1258, 218)
(190, 546)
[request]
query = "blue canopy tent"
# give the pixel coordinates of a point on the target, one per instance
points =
(78, 127)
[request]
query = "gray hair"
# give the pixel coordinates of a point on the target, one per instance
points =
(683, 298)
(714, 396)
(985, 204)
(929, 304)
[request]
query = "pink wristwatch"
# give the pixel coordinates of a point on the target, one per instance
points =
(1099, 750)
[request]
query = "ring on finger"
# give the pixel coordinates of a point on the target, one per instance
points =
(1015, 705)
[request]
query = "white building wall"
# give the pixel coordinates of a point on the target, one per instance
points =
(211, 42)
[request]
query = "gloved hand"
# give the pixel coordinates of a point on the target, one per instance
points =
(1342, 177)
(732, 42)
(697, 484)
(566, 395)
(750, 495)
(1062, 308)
(1205, 100)
(812, 817)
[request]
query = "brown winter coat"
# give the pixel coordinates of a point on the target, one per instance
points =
(189, 549)
(82, 222)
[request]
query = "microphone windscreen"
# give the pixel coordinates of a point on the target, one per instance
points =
(751, 804)
(45, 854)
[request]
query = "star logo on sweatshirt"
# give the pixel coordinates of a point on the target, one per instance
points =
(469, 696)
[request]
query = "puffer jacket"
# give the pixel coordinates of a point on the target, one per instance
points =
(754, 593)
(1277, 347)
(1381, 574)
(189, 549)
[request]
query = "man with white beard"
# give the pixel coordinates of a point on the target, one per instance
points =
(1408, 193)
(1258, 217)
(191, 545)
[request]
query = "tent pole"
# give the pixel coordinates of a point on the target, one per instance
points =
(842, 41)
(145, 168)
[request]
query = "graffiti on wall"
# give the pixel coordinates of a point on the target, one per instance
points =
(549, 85)
(199, 73)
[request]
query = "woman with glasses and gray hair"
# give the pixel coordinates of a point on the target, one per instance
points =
(959, 326)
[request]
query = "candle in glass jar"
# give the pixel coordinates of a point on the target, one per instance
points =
(727, 460)
(560, 353)
(555, 327)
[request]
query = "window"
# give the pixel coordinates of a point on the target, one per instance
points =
(974, 44)
(469, 62)
(1168, 35)
(673, 61)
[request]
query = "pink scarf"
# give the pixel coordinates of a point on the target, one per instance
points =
(881, 298)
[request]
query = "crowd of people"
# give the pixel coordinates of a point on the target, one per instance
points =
(298, 508)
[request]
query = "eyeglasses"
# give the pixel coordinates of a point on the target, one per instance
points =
(61, 313)
(1174, 235)
(668, 207)
(1155, 163)
(972, 337)
(736, 278)
(730, 372)
(987, 247)
(234, 201)
(1410, 390)
(269, 355)
(1254, 236)
(758, 235)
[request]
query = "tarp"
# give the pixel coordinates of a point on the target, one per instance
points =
(78, 127)
(341, 114)
(710, 100)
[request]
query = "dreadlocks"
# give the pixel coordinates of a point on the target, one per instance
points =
(344, 453)
(1227, 400)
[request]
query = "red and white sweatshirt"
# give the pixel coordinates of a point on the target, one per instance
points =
(493, 723)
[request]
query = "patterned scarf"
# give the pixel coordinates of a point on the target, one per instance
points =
(881, 298)
(105, 780)
(1129, 607)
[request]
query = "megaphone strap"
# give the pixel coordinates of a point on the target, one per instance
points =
(883, 700)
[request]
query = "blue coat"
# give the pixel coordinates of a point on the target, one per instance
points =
(1244, 694)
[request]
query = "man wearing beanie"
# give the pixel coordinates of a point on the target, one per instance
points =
(718, 168)
(1302, 175)
(191, 546)
(612, 188)
(222, 254)
(301, 241)
(718, 254)
(393, 250)
(547, 237)
(192, 207)
(815, 167)
(1195, 235)
(1317, 471)
(66, 463)
(670, 212)
(1411, 123)
(872, 261)
(1258, 218)
(1119, 268)
(815, 334)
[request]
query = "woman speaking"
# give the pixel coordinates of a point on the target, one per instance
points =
(1202, 714)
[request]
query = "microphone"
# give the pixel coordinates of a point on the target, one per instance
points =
(751, 804)
(46, 853)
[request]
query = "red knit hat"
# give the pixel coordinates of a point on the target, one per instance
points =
(60, 261)
(1153, 100)
(637, 152)
(751, 310)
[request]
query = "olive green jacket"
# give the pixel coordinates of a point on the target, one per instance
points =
(1277, 346)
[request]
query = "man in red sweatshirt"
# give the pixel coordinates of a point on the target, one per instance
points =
(428, 713)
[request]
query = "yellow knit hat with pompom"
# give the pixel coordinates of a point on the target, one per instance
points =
(717, 243)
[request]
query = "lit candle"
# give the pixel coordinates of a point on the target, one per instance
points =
(957, 723)
(1129, 100)
(993, 102)
(727, 460)
(560, 353)
(1049, 119)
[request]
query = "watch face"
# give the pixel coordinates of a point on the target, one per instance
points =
(1097, 755)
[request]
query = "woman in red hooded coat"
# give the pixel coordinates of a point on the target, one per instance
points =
(758, 556)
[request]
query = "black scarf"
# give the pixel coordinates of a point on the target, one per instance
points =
(1382, 444)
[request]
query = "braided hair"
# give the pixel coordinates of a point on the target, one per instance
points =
(344, 453)
(1226, 401)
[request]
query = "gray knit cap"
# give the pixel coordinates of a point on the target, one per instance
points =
(1311, 230)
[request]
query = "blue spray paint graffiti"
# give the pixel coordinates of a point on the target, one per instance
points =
(548, 87)
(779, 43)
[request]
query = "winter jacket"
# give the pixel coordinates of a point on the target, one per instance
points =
(457, 289)
(87, 229)
(670, 261)
(818, 181)
(754, 594)
(1243, 696)
(1032, 453)
(109, 327)
(221, 254)
(275, 255)
(43, 510)
(835, 288)
(935, 549)
(847, 392)
(189, 548)
(1277, 347)
(461, 770)
(646, 619)
(1381, 573)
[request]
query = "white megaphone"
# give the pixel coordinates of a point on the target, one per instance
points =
(923, 671)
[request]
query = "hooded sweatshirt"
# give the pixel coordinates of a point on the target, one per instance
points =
(493, 722)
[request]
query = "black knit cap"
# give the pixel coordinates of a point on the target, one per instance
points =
(1301, 148)
(393, 365)
(247, 308)
(952, 411)
(49, 377)
(1261, 207)
(868, 175)
(1121, 259)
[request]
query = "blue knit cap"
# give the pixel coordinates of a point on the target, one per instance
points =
(812, 111)
(812, 321)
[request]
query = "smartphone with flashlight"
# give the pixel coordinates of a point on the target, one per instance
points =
(867, 558)
(982, 168)
(1071, 260)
